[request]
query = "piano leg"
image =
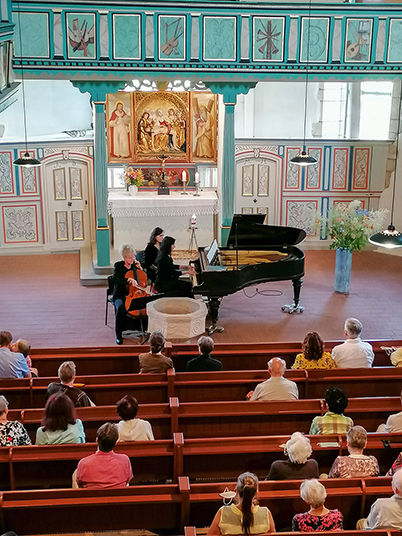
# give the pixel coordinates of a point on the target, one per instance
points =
(295, 307)
(213, 307)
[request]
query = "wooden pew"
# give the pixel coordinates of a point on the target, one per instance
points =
(192, 531)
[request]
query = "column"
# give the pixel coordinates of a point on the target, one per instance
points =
(98, 92)
(229, 90)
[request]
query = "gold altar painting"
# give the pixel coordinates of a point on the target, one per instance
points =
(161, 126)
(204, 124)
(119, 128)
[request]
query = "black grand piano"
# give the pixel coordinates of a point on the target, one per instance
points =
(255, 253)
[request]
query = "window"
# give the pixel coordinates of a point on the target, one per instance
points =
(375, 110)
(208, 176)
(334, 97)
(115, 177)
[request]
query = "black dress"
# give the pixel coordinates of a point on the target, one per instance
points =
(120, 291)
(151, 252)
(167, 278)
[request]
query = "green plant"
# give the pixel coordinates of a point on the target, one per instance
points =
(350, 226)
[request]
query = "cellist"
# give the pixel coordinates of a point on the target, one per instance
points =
(120, 289)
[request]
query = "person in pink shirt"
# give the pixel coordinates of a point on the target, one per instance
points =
(105, 469)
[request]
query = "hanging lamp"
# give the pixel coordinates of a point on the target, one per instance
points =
(26, 160)
(391, 238)
(304, 159)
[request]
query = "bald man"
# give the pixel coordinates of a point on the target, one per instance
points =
(277, 387)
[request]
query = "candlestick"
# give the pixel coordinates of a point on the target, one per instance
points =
(184, 179)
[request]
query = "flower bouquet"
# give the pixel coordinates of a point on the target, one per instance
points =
(133, 177)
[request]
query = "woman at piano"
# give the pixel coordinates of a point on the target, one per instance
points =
(168, 274)
(151, 252)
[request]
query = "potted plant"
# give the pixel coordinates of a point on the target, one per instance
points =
(134, 178)
(349, 227)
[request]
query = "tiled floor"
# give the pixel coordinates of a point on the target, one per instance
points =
(41, 300)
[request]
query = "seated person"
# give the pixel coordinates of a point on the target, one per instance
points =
(386, 514)
(393, 424)
(105, 469)
(318, 518)
(356, 465)
(12, 433)
(12, 364)
(276, 387)
(396, 357)
(120, 288)
(395, 466)
(59, 424)
(151, 252)
(154, 361)
(204, 362)
(298, 449)
(168, 274)
(313, 356)
(24, 348)
(244, 515)
(130, 428)
(333, 422)
(353, 353)
(66, 373)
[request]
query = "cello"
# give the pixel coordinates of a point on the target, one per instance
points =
(135, 292)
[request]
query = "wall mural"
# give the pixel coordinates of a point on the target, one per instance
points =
(171, 33)
(358, 40)
(81, 35)
(268, 38)
(143, 126)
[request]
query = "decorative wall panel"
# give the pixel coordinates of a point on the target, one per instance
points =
(29, 177)
(126, 36)
(61, 225)
(172, 37)
(361, 169)
(263, 180)
(300, 213)
(340, 169)
(357, 46)
(6, 177)
(75, 183)
(318, 30)
(395, 41)
(220, 38)
(313, 173)
(34, 35)
(20, 224)
(292, 179)
(247, 187)
(77, 223)
(268, 38)
(81, 38)
(59, 183)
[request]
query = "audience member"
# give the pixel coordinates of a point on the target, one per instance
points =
(23, 347)
(244, 516)
(12, 364)
(393, 424)
(66, 373)
(12, 433)
(353, 353)
(333, 422)
(395, 466)
(204, 361)
(318, 518)
(298, 449)
(386, 514)
(59, 424)
(155, 361)
(356, 465)
(105, 468)
(130, 428)
(276, 387)
(396, 357)
(313, 356)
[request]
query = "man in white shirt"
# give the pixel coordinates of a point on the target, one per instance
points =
(386, 514)
(353, 353)
(277, 387)
(393, 424)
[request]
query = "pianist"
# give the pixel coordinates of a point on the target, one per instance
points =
(168, 274)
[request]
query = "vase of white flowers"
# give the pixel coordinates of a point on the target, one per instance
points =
(349, 227)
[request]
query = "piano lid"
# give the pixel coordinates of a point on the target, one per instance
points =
(248, 230)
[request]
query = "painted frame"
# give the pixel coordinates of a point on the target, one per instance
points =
(73, 227)
(172, 37)
(26, 172)
(266, 194)
(36, 231)
(59, 237)
(344, 150)
(129, 34)
(394, 41)
(6, 158)
(243, 178)
(304, 202)
(213, 30)
(204, 127)
(268, 39)
(81, 35)
(358, 169)
(35, 35)
(319, 39)
(119, 130)
(59, 193)
(314, 152)
(290, 153)
(78, 183)
(358, 40)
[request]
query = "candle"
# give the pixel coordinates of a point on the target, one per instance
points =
(193, 219)
(196, 177)
(184, 176)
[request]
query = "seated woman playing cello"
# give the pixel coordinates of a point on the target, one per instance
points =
(127, 279)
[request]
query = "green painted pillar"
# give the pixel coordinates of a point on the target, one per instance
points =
(229, 90)
(98, 92)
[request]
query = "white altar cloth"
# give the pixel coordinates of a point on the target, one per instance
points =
(135, 217)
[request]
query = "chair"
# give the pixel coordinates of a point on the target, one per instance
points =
(109, 295)
(140, 304)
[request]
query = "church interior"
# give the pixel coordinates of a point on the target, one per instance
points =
(245, 130)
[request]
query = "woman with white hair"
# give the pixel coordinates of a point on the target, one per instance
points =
(298, 466)
(12, 433)
(318, 518)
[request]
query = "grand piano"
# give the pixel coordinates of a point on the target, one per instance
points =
(255, 253)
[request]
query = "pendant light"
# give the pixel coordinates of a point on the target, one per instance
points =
(304, 159)
(26, 160)
(391, 238)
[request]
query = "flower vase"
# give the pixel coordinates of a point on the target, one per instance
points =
(343, 270)
(132, 189)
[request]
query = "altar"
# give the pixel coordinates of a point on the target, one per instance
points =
(135, 217)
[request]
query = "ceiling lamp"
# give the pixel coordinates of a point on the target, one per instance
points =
(303, 159)
(391, 238)
(26, 160)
